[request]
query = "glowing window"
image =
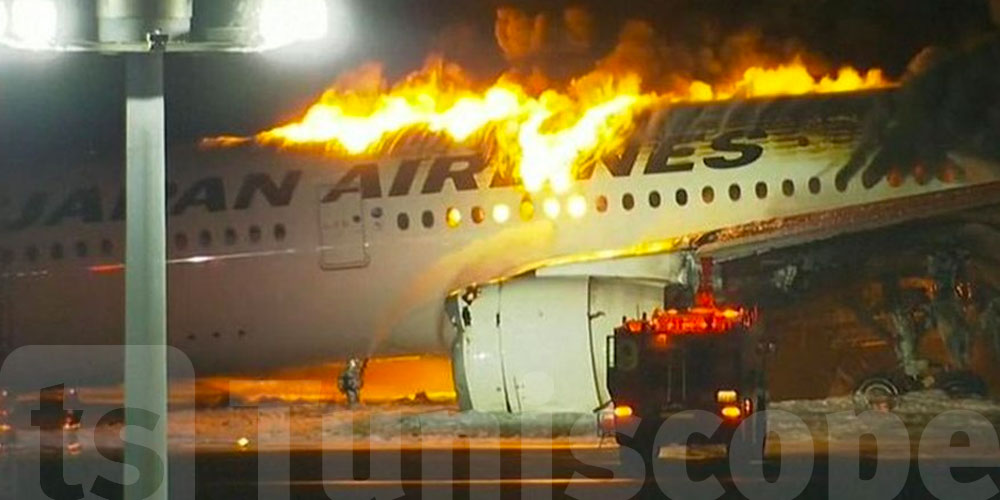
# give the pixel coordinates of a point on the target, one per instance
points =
(552, 208)
(761, 190)
(82, 250)
(681, 197)
(576, 206)
(788, 187)
(403, 221)
(815, 186)
(628, 201)
(56, 252)
(255, 234)
(280, 232)
(453, 217)
(602, 203)
(735, 193)
(478, 215)
(708, 194)
(527, 209)
(427, 219)
(654, 199)
(501, 213)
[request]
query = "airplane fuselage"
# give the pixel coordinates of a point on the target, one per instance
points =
(278, 258)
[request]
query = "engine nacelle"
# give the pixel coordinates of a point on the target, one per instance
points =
(539, 344)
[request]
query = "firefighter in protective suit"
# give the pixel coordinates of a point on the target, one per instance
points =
(351, 380)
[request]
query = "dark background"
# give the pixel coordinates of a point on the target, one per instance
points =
(71, 105)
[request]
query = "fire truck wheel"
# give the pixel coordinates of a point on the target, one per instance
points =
(876, 393)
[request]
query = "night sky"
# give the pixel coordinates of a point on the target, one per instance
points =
(71, 105)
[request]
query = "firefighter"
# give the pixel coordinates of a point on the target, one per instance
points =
(351, 380)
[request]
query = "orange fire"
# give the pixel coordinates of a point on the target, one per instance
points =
(540, 139)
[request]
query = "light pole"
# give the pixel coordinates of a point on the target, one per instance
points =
(145, 260)
(143, 31)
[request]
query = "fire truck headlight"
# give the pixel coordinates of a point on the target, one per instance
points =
(623, 411)
(731, 412)
(725, 396)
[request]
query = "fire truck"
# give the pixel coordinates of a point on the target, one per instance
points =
(704, 357)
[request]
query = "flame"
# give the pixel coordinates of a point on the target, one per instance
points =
(541, 140)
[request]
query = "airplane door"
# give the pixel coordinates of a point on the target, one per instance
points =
(343, 242)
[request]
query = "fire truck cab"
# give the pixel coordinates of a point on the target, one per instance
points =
(705, 358)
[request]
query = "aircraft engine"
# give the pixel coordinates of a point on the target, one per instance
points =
(539, 344)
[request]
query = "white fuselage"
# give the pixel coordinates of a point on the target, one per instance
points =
(280, 258)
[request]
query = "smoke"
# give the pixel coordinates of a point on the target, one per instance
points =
(949, 103)
(546, 49)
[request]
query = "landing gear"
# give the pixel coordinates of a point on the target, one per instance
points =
(877, 393)
(942, 301)
(961, 384)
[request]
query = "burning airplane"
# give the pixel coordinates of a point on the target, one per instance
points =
(507, 227)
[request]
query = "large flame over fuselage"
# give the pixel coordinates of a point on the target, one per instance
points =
(540, 139)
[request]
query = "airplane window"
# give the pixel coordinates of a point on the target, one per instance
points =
(814, 185)
(107, 247)
(478, 215)
(602, 203)
(681, 197)
(280, 232)
(31, 253)
(81, 249)
(654, 199)
(628, 201)
(205, 238)
(403, 221)
(230, 236)
(708, 194)
(527, 209)
(181, 241)
(841, 184)
(761, 190)
(452, 217)
(735, 193)
(788, 187)
(427, 219)
(377, 213)
(57, 251)
(6, 256)
(255, 234)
